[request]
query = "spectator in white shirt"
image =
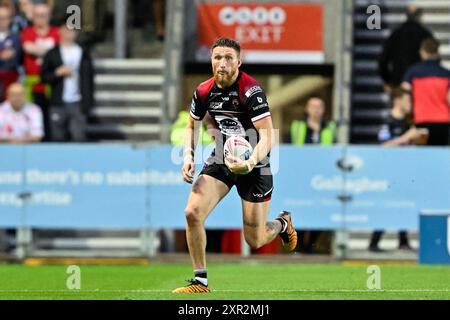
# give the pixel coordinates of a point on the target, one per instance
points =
(20, 121)
(68, 69)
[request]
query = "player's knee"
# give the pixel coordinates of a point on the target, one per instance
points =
(193, 215)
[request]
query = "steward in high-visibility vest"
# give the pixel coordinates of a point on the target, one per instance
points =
(178, 130)
(299, 131)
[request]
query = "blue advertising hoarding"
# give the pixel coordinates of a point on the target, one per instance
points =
(120, 186)
(434, 239)
(388, 186)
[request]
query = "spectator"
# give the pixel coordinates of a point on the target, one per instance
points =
(36, 42)
(178, 129)
(50, 3)
(159, 13)
(397, 132)
(23, 16)
(429, 83)
(9, 52)
(150, 11)
(68, 69)
(401, 49)
(313, 130)
(7, 3)
(20, 122)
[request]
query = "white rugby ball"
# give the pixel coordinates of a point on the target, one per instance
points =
(238, 147)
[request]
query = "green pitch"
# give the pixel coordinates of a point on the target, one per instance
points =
(228, 281)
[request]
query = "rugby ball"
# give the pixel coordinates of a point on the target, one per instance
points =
(238, 147)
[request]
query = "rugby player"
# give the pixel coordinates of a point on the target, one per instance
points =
(237, 104)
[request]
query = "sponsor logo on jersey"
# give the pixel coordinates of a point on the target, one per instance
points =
(230, 126)
(215, 94)
(252, 91)
(226, 98)
(215, 105)
(260, 106)
(260, 100)
(233, 94)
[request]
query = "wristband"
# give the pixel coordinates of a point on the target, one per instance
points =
(189, 150)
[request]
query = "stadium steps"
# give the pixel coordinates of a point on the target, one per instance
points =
(370, 106)
(128, 100)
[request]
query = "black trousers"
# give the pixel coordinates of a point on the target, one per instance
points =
(376, 237)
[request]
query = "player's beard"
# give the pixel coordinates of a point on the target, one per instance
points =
(224, 79)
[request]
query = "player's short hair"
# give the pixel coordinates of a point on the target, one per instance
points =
(430, 46)
(397, 93)
(227, 42)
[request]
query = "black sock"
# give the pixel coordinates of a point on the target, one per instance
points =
(283, 224)
(201, 275)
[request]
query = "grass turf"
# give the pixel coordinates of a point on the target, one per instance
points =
(228, 281)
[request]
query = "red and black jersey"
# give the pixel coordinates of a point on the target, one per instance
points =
(234, 109)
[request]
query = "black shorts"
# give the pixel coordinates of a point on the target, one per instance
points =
(252, 187)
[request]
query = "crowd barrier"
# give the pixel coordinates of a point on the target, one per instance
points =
(126, 186)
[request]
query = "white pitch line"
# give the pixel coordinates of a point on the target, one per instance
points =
(233, 291)
(338, 290)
